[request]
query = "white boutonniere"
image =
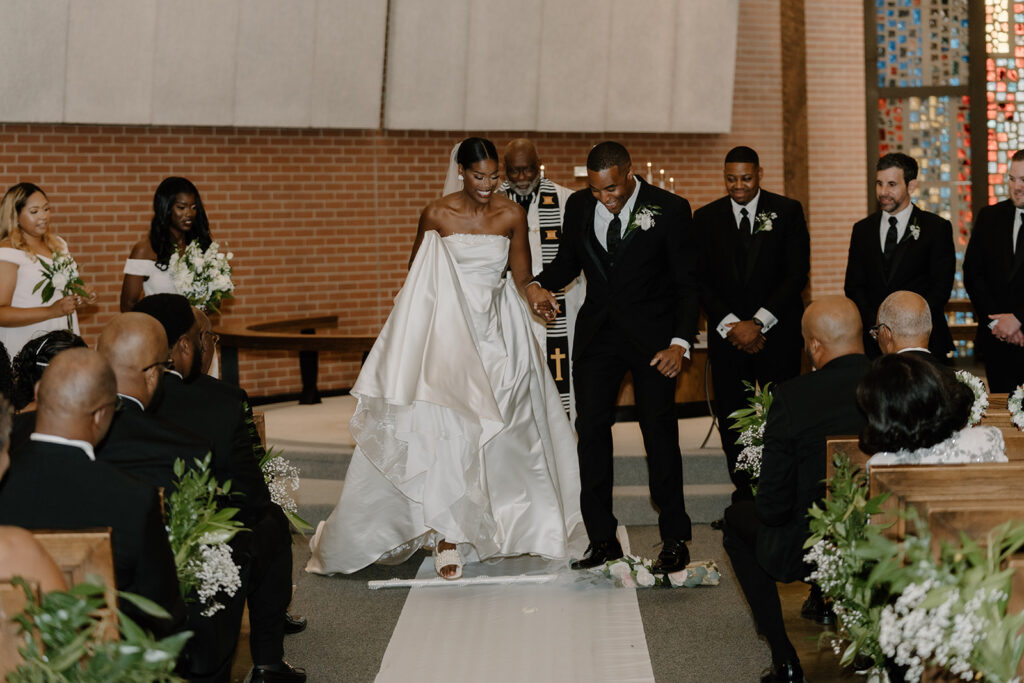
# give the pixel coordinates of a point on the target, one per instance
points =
(915, 231)
(763, 222)
(643, 218)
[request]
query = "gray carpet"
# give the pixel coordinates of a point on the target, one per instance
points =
(701, 634)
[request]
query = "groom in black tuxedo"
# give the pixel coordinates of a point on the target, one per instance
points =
(639, 316)
(901, 247)
(754, 258)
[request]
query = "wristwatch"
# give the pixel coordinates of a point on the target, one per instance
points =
(758, 322)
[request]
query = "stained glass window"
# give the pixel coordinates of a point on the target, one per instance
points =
(921, 42)
(1004, 66)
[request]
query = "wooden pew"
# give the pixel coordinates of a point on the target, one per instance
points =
(80, 554)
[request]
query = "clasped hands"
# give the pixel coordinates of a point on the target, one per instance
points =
(746, 336)
(669, 362)
(1007, 329)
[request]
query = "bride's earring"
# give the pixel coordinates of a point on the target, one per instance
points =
(460, 176)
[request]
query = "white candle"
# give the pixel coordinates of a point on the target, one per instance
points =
(662, 172)
(672, 184)
(542, 170)
(649, 177)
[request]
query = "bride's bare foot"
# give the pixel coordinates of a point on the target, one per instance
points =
(447, 560)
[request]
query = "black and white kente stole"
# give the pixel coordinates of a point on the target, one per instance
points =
(557, 338)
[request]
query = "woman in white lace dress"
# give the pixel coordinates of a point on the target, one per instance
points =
(26, 240)
(917, 414)
(178, 218)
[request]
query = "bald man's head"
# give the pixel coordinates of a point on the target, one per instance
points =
(522, 166)
(832, 328)
(907, 321)
(135, 345)
(77, 396)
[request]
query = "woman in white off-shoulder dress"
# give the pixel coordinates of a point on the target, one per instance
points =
(26, 241)
(462, 443)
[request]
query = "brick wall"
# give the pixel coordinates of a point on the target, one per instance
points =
(321, 221)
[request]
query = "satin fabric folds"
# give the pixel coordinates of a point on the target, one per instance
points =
(459, 429)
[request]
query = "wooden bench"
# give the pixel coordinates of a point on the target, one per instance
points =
(292, 334)
(81, 554)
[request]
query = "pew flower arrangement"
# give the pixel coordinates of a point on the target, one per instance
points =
(70, 625)
(980, 395)
(904, 609)
(60, 276)
(633, 571)
(282, 479)
(1016, 405)
(199, 531)
(749, 422)
(204, 277)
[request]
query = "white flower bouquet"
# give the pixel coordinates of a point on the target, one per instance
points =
(632, 571)
(282, 479)
(1014, 403)
(980, 395)
(60, 276)
(749, 422)
(204, 277)
(199, 531)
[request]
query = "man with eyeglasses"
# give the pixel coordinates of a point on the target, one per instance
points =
(995, 283)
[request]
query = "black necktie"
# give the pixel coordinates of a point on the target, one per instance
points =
(890, 244)
(744, 235)
(613, 237)
(1018, 245)
(744, 223)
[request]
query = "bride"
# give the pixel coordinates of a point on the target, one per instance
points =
(462, 444)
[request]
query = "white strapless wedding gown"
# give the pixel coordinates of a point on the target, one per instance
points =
(459, 429)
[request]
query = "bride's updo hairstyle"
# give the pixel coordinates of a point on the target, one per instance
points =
(160, 227)
(910, 403)
(472, 150)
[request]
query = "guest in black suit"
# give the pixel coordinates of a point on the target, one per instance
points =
(55, 483)
(215, 416)
(640, 315)
(905, 326)
(754, 258)
(995, 283)
(145, 446)
(764, 537)
(901, 247)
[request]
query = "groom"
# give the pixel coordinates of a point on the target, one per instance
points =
(639, 316)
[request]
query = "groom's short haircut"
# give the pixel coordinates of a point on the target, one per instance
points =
(742, 155)
(905, 163)
(606, 155)
(173, 311)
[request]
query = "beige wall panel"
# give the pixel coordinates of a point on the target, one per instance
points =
(643, 60)
(426, 73)
(110, 61)
(274, 72)
(194, 74)
(348, 62)
(504, 65)
(574, 50)
(705, 66)
(33, 55)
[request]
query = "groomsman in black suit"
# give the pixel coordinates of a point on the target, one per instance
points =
(901, 247)
(995, 283)
(55, 483)
(764, 538)
(754, 258)
(640, 316)
(217, 416)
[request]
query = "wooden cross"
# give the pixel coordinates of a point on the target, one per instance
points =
(558, 356)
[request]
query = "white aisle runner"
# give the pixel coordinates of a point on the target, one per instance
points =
(567, 630)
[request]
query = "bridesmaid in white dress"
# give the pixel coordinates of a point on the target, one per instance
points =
(26, 239)
(178, 218)
(462, 443)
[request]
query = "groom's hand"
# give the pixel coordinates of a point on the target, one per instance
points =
(542, 302)
(670, 361)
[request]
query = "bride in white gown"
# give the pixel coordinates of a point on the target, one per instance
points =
(461, 438)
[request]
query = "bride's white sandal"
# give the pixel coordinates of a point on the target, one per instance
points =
(448, 558)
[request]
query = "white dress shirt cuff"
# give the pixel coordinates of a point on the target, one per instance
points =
(676, 341)
(765, 316)
(722, 329)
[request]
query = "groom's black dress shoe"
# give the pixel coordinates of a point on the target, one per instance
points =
(784, 672)
(816, 609)
(282, 672)
(673, 557)
(294, 623)
(598, 554)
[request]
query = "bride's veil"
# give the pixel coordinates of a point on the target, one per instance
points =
(452, 182)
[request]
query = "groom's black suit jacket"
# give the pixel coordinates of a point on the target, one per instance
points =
(993, 274)
(56, 486)
(649, 295)
(925, 265)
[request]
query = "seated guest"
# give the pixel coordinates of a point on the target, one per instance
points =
(20, 553)
(905, 326)
(917, 414)
(764, 538)
(216, 416)
(55, 483)
(28, 368)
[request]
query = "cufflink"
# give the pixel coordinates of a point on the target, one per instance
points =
(758, 322)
